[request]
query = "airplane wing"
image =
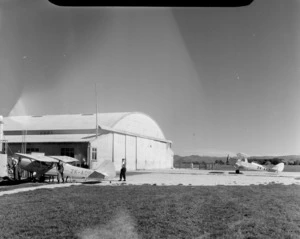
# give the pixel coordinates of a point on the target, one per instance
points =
(65, 159)
(40, 158)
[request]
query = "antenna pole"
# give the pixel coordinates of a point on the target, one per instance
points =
(96, 110)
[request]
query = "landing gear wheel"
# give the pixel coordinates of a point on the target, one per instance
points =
(237, 171)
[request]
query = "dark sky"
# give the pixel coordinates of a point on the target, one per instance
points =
(216, 80)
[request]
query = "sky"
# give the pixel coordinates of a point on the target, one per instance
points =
(216, 80)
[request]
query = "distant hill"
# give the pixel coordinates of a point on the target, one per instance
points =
(197, 158)
(211, 159)
(284, 157)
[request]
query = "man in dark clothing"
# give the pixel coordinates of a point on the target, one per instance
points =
(123, 170)
(14, 167)
(60, 171)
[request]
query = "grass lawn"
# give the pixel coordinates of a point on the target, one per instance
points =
(264, 211)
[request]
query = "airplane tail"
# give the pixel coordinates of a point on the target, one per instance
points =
(241, 156)
(278, 168)
(107, 168)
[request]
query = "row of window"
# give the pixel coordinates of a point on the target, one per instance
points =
(65, 152)
(70, 152)
(29, 150)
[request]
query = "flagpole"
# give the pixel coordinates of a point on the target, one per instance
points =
(96, 110)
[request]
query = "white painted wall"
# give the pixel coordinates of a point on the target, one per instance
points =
(141, 153)
(104, 145)
(1, 132)
(130, 152)
(119, 150)
(3, 165)
(169, 157)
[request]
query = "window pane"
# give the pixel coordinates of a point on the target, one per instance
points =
(67, 152)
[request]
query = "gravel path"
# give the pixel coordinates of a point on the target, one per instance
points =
(187, 177)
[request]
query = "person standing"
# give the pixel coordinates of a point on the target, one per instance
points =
(123, 170)
(14, 167)
(60, 171)
(19, 170)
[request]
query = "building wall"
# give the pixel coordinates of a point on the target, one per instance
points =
(153, 154)
(3, 165)
(130, 153)
(119, 150)
(80, 149)
(104, 145)
(124, 147)
(140, 153)
(169, 157)
(115, 147)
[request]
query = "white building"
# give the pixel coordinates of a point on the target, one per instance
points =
(134, 136)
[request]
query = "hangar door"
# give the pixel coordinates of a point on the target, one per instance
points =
(145, 159)
(130, 144)
(118, 150)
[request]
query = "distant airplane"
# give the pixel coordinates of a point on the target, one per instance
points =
(242, 163)
(46, 165)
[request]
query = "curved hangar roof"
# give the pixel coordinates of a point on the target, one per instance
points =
(134, 123)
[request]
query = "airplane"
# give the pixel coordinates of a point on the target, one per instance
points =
(40, 165)
(242, 163)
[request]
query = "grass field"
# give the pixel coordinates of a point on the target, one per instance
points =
(269, 211)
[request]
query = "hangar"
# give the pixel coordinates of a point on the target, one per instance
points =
(92, 138)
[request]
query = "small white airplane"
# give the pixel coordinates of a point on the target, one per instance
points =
(46, 165)
(242, 163)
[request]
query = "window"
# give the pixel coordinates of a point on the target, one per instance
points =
(94, 154)
(29, 150)
(46, 132)
(67, 152)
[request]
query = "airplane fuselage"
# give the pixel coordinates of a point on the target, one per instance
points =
(73, 172)
(242, 163)
(250, 166)
(257, 167)
(42, 168)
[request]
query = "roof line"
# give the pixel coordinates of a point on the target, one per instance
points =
(125, 115)
(131, 134)
(137, 112)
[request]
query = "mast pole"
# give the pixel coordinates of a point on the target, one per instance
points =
(96, 110)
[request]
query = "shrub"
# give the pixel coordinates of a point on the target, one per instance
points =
(297, 162)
